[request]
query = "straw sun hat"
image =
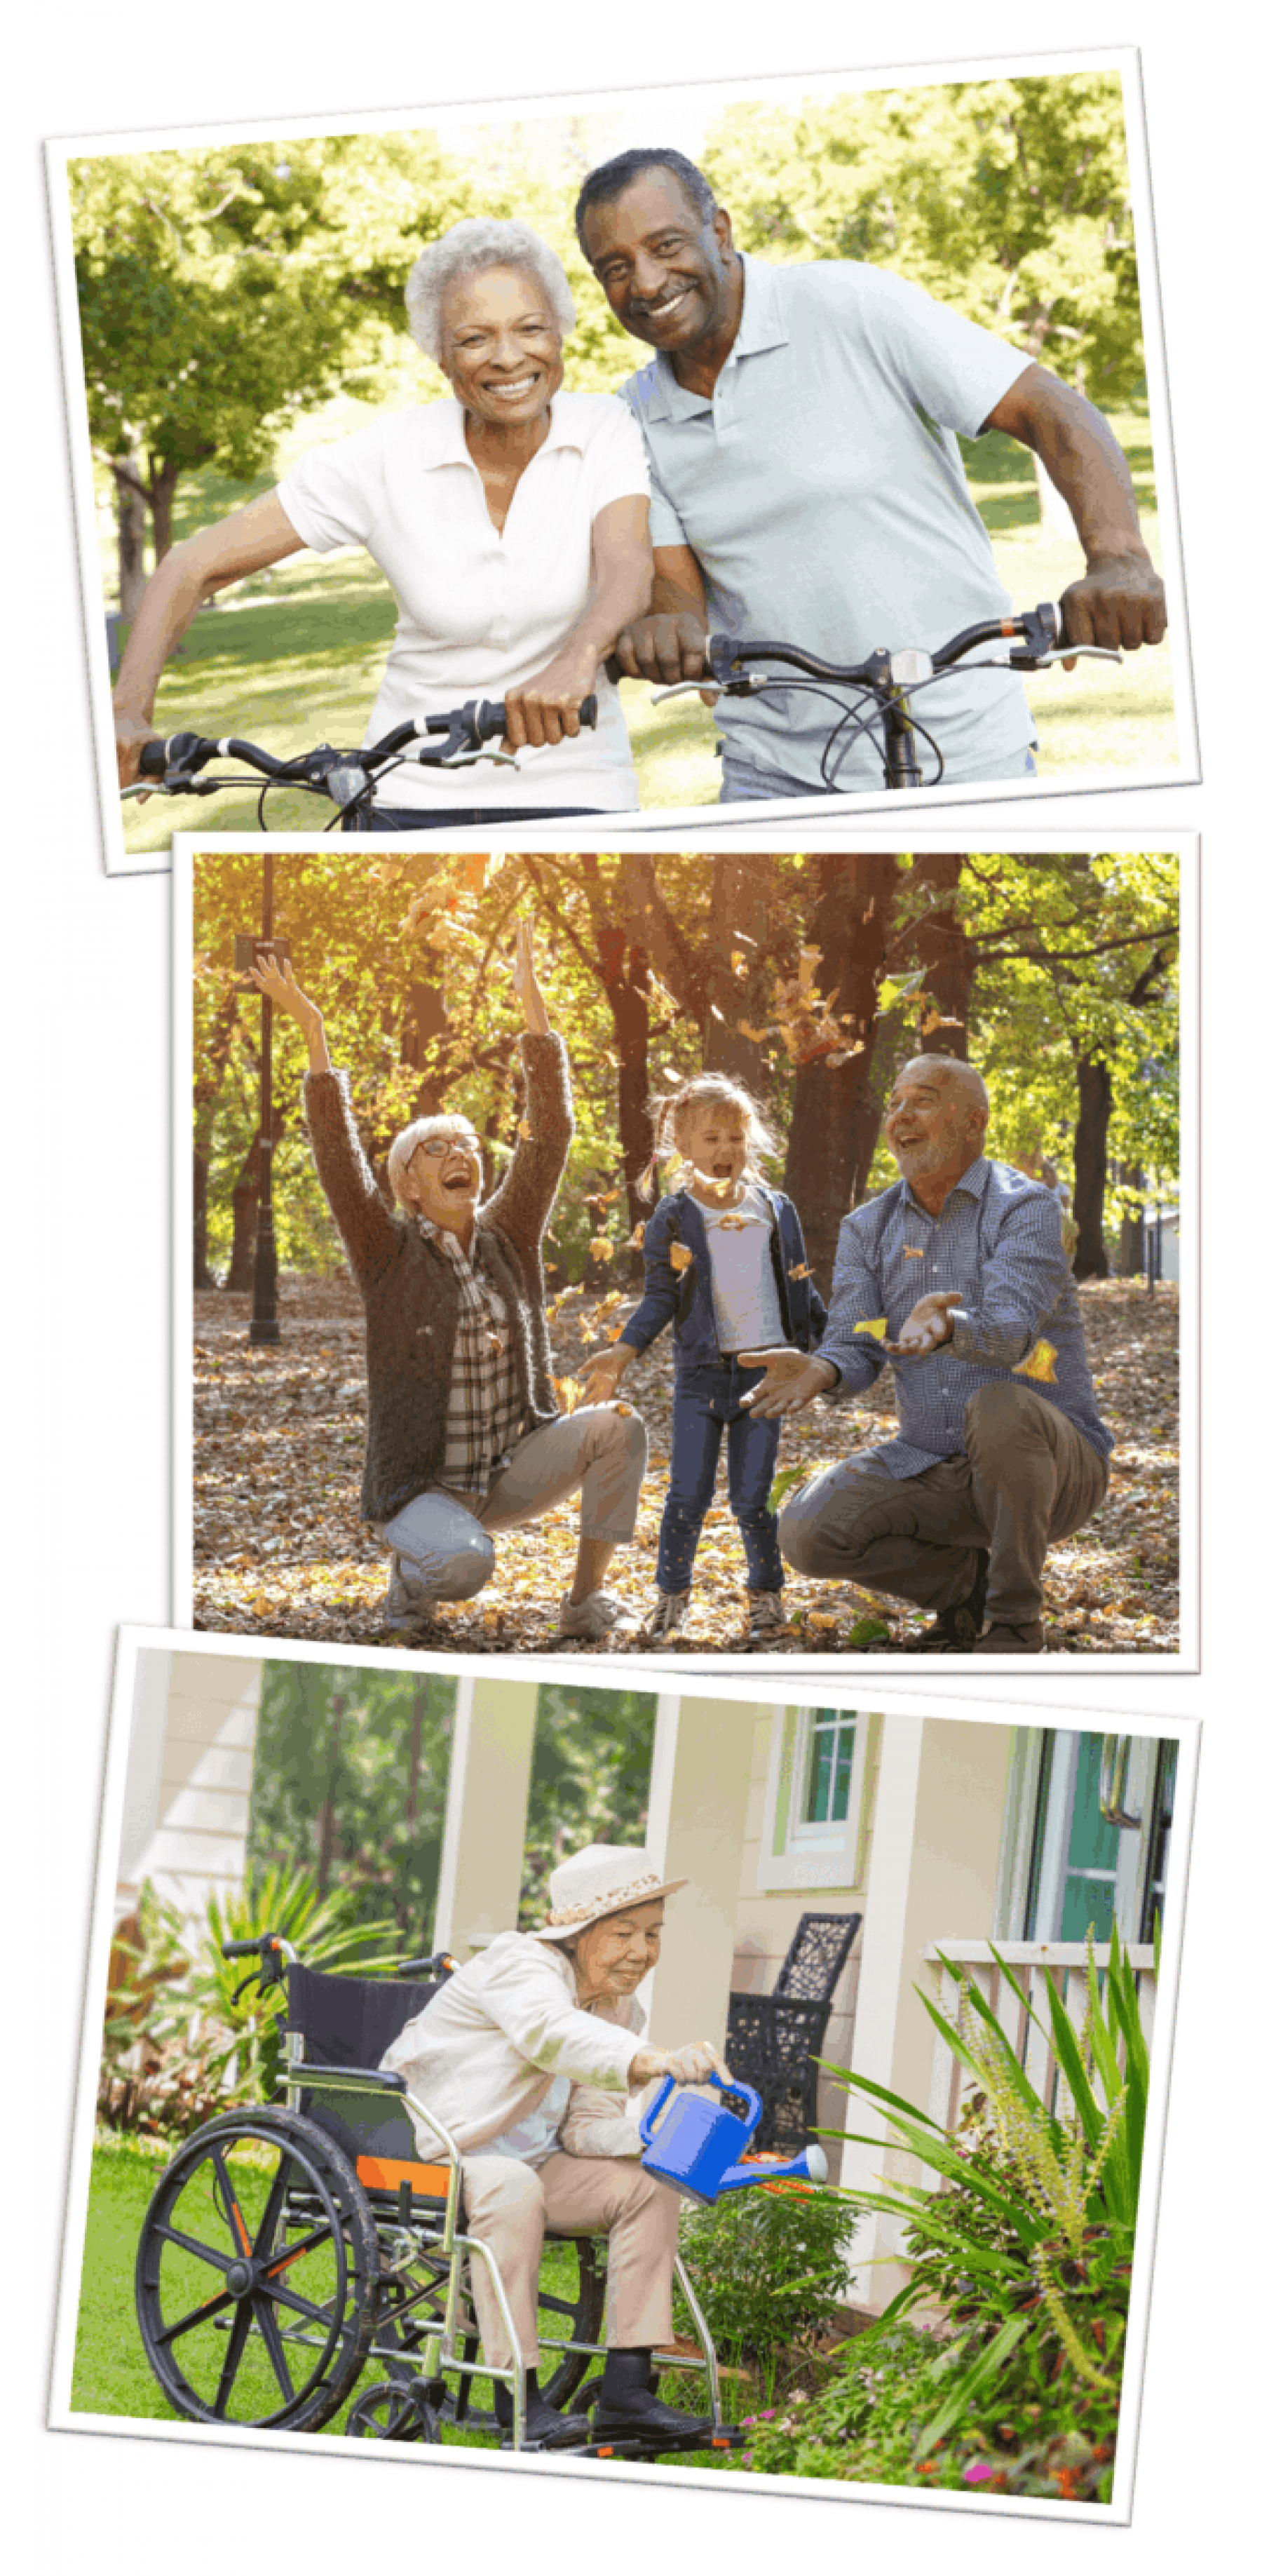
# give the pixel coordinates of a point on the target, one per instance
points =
(603, 1878)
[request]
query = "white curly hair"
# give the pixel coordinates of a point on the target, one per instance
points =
(479, 242)
(443, 1123)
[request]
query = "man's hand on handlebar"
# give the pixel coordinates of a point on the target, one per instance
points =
(691, 2064)
(667, 649)
(792, 1381)
(1120, 601)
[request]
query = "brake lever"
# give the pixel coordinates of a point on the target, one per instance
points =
(1061, 653)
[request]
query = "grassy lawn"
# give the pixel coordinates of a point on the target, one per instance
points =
(111, 2373)
(293, 657)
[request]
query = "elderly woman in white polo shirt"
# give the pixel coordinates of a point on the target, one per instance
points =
(528, 2055)
(510, 520)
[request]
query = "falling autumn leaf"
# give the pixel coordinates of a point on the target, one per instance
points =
(569, 1391)
(637, 1238)
(800, 1270)
(523, 1130)
(878, 1329)
(680, 1257)
(600, 1248)
(1041, 1364)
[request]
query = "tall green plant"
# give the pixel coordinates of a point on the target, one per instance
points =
(1031, 2230)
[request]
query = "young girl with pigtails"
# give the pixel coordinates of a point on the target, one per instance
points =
(724, 1262)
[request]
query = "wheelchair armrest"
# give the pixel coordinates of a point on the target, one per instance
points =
(355, 2079)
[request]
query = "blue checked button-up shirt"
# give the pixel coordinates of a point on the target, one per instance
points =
(998, 1244)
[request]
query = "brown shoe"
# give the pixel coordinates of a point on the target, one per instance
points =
(956, 1631)
(1001, 1639)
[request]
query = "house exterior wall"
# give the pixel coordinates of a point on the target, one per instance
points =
(484, 1829)
(186, 1802)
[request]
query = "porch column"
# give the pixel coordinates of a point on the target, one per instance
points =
(484, 1829)
(698, 1795)
(934, 1867)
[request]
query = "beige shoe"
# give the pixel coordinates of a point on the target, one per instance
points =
(601, 1614)
(1000, 1639)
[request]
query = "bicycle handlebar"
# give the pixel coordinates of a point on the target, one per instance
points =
(340, 775)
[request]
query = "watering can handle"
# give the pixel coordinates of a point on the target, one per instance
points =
(753, 2106)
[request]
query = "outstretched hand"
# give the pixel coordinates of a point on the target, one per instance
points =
(275, 979)
(525, 984)
(930, 1324)
(792, 1381)
(601, 1373)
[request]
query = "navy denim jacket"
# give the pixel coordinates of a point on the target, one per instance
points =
(686, 1297)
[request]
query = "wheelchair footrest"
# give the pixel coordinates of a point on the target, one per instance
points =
(659, 2446)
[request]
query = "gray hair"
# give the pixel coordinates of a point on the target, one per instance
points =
(963, 1075)
(481, 242)
(406, 1144)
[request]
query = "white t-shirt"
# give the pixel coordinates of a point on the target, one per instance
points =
(746, 1299)
(479, 610)
(530, 2141)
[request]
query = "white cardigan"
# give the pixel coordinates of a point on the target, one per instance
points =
(484, 2053)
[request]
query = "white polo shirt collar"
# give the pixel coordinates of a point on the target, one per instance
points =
(444, 441)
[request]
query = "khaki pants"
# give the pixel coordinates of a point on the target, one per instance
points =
(1026, 1477)
(599, 1452)
(509, 2204)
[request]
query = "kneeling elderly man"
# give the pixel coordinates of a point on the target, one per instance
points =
(964, 1261)
(528, 2055)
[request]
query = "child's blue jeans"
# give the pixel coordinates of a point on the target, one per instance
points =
(707, 1398)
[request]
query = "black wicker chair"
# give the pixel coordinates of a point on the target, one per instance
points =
(774, 2041)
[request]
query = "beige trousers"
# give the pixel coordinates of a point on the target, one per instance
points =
(509, 2204)
(1025, 1477)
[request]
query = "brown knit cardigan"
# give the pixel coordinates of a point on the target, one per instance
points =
(409, 1287)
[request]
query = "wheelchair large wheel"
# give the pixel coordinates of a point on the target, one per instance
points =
(258, 2274)
(571, 2305)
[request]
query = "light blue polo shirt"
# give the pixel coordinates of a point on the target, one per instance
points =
(822, 492)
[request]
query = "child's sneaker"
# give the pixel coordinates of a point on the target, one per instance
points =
(668, 1618)
(766, 1614)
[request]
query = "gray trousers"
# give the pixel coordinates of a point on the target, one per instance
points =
(1026, 1476)
(509, 2204)
(601, 1452)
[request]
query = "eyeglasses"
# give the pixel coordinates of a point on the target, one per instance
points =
(433, 1146)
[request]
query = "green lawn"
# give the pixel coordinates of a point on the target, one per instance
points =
(294, 656)
(111, 2373)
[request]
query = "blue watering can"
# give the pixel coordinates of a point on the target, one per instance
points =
(695, 2145)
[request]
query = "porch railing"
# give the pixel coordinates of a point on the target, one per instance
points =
(1026, 1959)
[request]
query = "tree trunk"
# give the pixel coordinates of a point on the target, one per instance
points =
(245, 1212)
(1091, 1166)
(207, 1085)
(328, 1810)
(949, 957)
(1130, 1242)
(836, 1114)
(130, 514)
(162, 483)
(203, 1275)
(411, 1810)
(742, 898)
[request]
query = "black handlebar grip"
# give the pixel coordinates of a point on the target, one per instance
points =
(153, 760)
(241, 1949)
(587, 712)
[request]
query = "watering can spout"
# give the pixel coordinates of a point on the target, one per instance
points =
(810, 2166)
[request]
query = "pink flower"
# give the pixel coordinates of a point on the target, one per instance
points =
(978, 2473)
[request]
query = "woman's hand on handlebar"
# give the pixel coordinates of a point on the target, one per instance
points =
(545, 709)
(276, 981)
(131, 733)
(691, 2064)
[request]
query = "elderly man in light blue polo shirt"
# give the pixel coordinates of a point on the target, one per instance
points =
(802, 424)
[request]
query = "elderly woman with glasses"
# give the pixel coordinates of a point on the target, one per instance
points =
(464, 1436)
(528, 2056)
(511, 521)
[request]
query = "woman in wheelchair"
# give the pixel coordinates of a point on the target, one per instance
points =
(527, 2055)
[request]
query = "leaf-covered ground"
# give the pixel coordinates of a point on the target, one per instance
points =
(282, 1552)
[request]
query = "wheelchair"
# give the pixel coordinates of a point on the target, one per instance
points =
(287, 2249)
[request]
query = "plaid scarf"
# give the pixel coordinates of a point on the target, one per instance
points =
(484, 1409)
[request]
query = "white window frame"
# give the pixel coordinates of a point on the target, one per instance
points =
(824, 1855)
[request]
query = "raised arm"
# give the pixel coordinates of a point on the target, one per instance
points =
(259, 534)
(523, 1201)
(545, 708)
(658, 1306)
(367, 1228)
(1120, 598)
